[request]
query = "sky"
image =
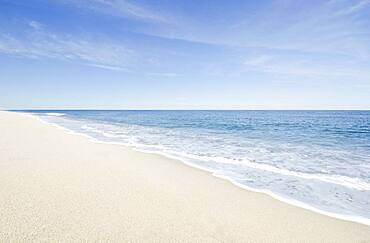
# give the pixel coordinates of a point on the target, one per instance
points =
(183, 54)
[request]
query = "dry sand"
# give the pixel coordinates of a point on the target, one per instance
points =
(60, 187)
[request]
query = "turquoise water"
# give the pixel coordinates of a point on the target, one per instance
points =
(320, 159)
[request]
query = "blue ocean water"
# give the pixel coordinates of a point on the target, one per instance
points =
(318, 158)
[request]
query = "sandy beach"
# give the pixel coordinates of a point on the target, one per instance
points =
(62, 187)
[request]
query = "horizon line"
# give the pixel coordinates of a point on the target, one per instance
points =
(173, 109)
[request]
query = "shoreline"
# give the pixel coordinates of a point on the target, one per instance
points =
(245, 213)
(296, 203)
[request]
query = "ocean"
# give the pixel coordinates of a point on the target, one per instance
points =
(319, 160)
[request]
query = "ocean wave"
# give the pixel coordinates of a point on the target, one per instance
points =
(349, 182)
(54, 114)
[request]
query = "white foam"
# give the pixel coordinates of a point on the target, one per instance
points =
(349, 182)
(357, 219)
(54, 114)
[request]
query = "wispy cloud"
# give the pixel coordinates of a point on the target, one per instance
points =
(303, 68)
(165, 74)
(119, 8)
(353, 8)
(280, 28)
(280, 25)
(39, 43)
(258, 60)
(35, 25)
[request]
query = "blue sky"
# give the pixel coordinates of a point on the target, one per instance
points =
(163, 54)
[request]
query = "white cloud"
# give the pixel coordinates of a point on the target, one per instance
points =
(165, 74)
(327, 33)
(114, 68)
(121, 8)
(258, 60)
(303, 68)
(280, 26)
(35, 25)
(354, 8)
(43, 44)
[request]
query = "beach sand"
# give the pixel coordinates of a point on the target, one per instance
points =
(62, 187)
